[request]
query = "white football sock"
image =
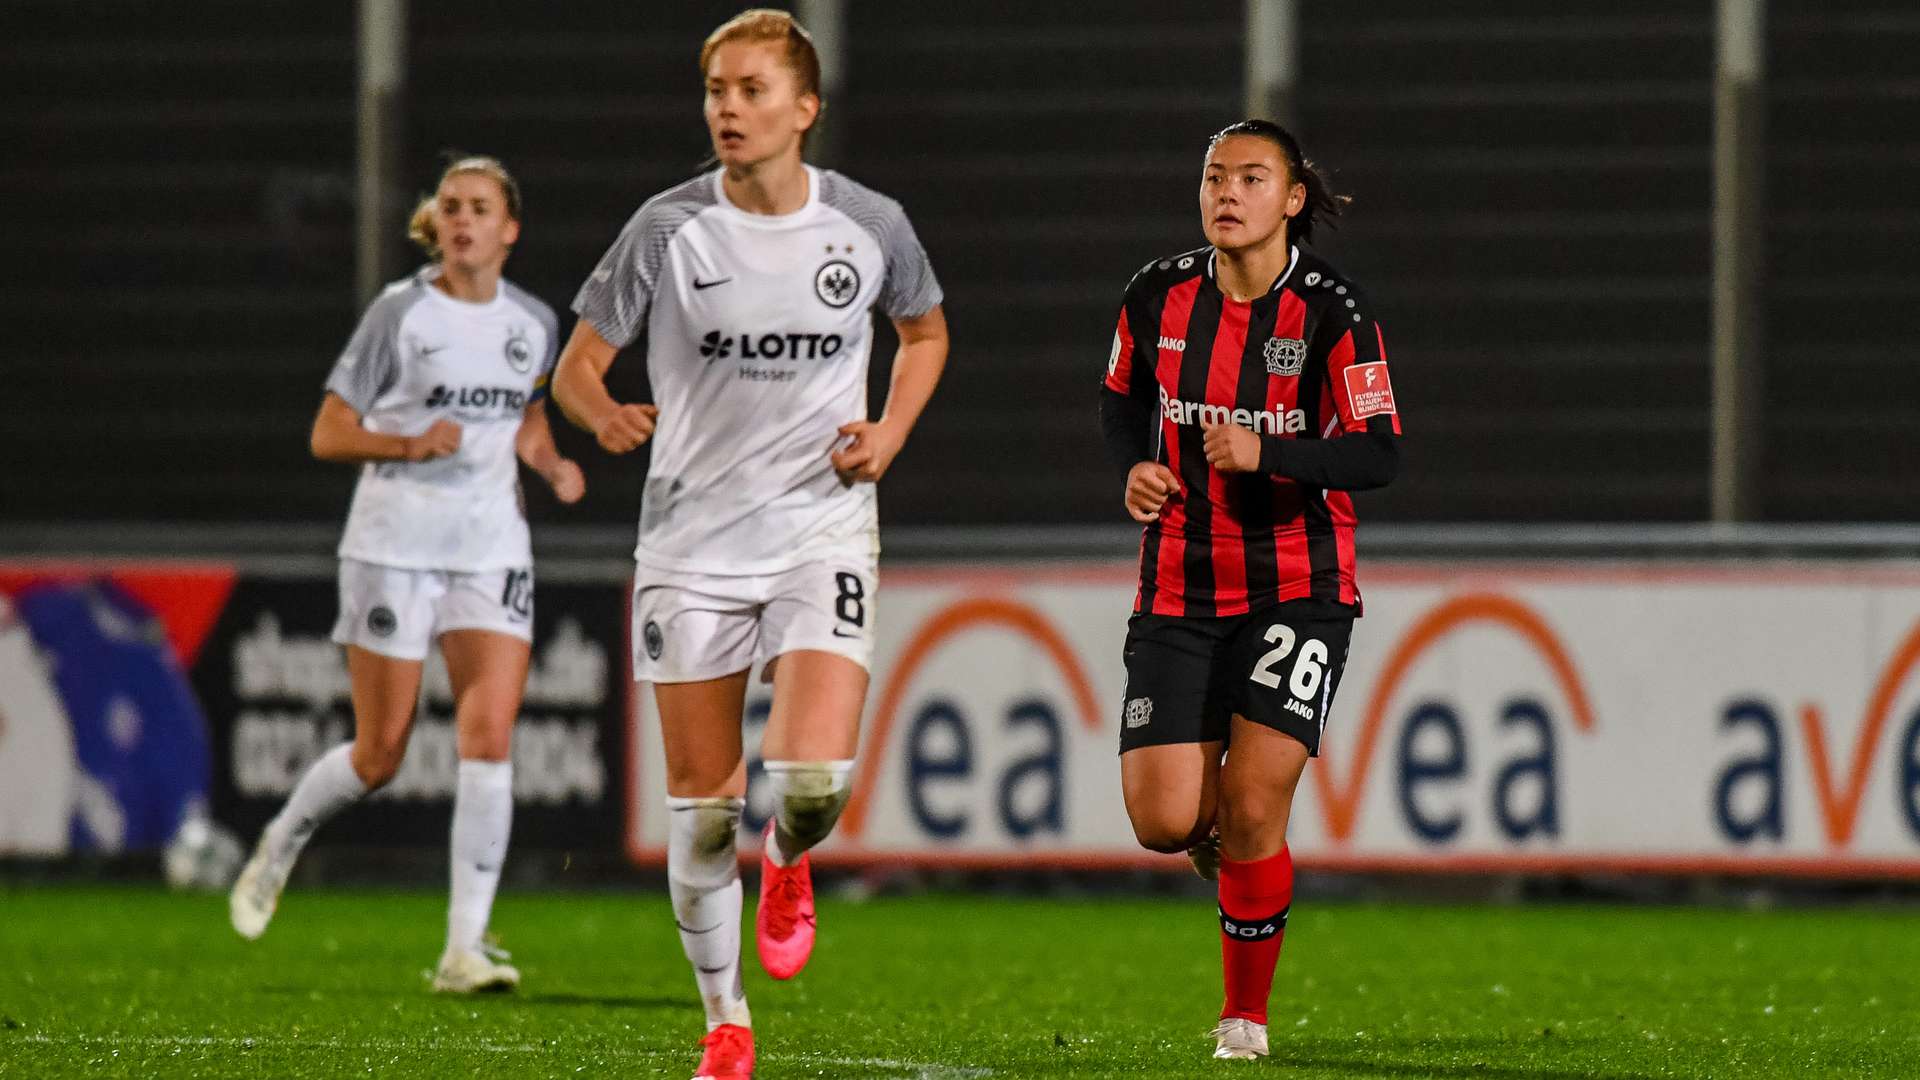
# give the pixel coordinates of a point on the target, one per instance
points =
(703, 876)
(807, 799)
(482, 821)
(328, 787)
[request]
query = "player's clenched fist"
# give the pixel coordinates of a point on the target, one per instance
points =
(438, 441)
(567, 481)
(870, 449)
(1231, 448)
(1149, 485)
(626, 427)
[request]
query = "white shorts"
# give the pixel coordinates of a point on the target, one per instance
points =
(399, 613)
(693, 627)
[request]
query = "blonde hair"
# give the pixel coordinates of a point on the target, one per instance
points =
(420, 225)
(767, 26)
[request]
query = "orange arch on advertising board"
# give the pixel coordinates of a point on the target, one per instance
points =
(1340, 801)
(945, 623)
(1840, 809)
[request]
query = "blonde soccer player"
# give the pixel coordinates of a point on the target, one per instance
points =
(440, 390)
(751, 286)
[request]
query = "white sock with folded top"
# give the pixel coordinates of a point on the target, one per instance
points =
(482, 821)
(703, 877)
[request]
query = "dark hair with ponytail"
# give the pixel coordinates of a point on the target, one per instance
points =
(1321, 201)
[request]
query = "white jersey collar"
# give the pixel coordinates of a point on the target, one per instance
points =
(430, 273)
(769, 221)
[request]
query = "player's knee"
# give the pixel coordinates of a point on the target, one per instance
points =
(709, 781)
(1162, 841)
(716, 828)
(1167, 833)
(486, 746)
(376, 761)
(490, 740)
(1252, 815)
(704, 832)
(808, 796)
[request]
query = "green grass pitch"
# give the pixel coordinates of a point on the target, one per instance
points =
(138, 983)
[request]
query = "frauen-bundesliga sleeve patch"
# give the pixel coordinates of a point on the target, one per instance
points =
(1369, 391)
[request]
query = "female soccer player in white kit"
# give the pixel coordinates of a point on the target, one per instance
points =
(751, 286)
(442, 386)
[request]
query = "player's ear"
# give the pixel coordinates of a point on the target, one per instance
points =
(810, 106)
(511, 234)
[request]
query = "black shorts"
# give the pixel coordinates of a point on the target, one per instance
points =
(1278, 667)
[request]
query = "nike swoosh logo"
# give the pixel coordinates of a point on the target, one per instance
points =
(429, 350)
(837, 632)
(698, 284)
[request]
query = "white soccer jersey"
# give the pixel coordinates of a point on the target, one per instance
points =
(419, 356)
(758, 330)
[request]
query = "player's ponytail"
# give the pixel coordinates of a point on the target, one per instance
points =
(420, 226)
(1321, 201)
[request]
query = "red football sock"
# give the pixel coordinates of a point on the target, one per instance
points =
(1254, 900)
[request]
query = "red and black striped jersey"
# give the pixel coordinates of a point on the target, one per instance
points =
(1305, 361)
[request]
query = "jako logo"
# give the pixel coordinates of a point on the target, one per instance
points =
(1260, 423)
(718, 346)
(1174, 343)
(476, 397)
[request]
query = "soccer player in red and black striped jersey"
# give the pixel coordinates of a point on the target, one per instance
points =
(1246, 396)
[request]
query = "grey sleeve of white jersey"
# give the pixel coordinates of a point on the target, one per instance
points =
(370, 364)
(616, 297)
(549, 325)
(548, 361)
(910, 289)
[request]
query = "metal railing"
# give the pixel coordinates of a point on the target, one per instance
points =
(600, 552)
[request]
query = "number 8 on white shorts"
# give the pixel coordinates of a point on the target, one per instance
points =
(691, 627)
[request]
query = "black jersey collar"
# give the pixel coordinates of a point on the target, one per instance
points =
(1293, 260)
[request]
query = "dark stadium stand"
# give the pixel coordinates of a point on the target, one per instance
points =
(1531, 212)
(1532, 209)
(1044, 156)
(1843, 290)
(179, 257)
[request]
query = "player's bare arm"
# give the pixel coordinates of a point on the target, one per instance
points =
(580, 388)
(917, 365)
(338, 437)
(534, 445)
